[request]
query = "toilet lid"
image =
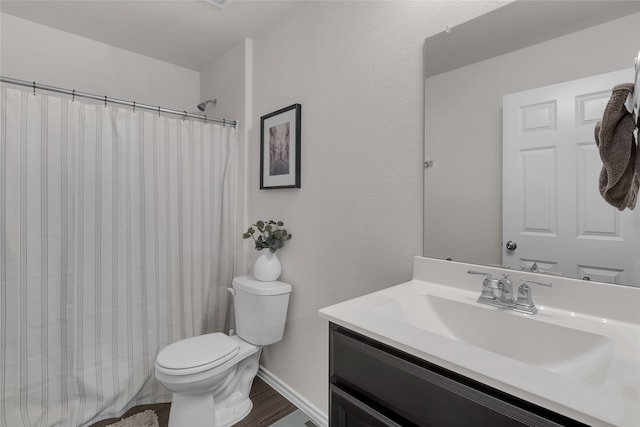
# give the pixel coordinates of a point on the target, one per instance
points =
(209, 349)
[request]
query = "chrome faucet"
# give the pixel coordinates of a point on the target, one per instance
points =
(490, 287)
(506, 289)
(499, 293)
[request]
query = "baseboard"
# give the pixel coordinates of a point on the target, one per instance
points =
(316, 415)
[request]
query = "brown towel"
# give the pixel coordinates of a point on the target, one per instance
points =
(619, 182)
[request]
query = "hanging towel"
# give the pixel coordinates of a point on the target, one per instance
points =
(619, 182)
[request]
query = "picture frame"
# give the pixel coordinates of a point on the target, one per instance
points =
(280, 148)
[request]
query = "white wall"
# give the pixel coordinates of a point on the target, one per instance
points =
(229, 79)
(356, 68)
(463, 193)
(34, 52)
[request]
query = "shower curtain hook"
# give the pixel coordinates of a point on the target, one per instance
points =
(185, 116)
(205, 119)
(134, 106)
(105, 101)
(158, 111)
(34, 88)
(73, 96)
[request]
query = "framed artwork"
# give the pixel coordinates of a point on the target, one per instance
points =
(280, 148)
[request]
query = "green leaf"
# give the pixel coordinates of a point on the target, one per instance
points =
(270, 235)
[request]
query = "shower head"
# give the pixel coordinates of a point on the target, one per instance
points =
(202, 106)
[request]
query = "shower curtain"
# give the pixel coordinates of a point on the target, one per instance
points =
(116, 239)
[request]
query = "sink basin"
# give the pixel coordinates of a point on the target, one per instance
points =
(563, 350)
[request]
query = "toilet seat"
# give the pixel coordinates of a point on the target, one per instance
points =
(197, 354)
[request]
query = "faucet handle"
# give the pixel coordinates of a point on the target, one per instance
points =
(490, 287)
(524, 300)
(488, 275)
(533, 282)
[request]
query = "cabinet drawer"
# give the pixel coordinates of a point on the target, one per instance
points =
(369, 371)
(347, 411)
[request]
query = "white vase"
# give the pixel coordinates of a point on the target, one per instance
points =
(267, 267)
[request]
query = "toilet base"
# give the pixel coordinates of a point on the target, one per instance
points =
(200, 411)
(196, 411)
(221, 404)
(230, 416)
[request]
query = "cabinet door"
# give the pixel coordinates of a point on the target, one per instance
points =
(347, 411)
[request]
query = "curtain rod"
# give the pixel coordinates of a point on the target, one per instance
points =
(105, 99)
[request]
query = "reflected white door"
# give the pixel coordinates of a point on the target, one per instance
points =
(552, 208)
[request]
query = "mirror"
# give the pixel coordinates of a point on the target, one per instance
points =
(519, 47)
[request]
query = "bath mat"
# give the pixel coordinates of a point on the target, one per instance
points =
(295, 419)
(147, 418)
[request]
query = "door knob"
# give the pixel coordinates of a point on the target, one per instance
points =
(511, 245)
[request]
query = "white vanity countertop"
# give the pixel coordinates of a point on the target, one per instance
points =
(611, 311)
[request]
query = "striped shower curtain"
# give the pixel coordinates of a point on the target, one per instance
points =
(115, 240)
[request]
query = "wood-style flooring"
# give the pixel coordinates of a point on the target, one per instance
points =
(268, 407)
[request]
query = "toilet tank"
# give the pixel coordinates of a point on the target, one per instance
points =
(260, 309)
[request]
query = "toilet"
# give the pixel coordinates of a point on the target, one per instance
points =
(210, 375)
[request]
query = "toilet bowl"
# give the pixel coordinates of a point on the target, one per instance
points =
(210, 375)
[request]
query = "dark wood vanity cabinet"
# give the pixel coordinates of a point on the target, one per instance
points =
(373, 384)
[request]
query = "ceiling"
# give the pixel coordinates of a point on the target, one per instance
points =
(189, 33)
(515, 26)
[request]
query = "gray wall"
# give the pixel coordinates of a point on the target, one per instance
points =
(30, 51)
(356, 68)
